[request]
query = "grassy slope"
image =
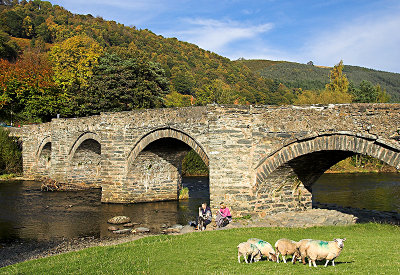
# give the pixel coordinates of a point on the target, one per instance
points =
(296, 75)
(370, 248)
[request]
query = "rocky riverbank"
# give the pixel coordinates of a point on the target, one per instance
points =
(321, 215)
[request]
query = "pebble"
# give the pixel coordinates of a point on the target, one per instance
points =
(142, 230)
(112, 228)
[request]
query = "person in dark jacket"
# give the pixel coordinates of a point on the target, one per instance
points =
(205, 216)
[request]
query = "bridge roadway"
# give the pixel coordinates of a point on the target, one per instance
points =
(262, 159)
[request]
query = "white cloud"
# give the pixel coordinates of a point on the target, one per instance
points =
(215, 35)
(371, 42)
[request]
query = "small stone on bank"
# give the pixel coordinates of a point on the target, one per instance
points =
(142, 230)
(112, 228)
(119, 220)
(123, 231)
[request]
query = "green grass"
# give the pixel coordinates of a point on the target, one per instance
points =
(369, 249)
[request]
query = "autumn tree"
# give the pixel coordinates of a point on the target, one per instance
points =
(73, 61)
(28, 90)
(336, 91)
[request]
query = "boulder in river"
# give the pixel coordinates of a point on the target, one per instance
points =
(119, 220)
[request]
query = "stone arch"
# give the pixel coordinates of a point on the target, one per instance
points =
(166, 133)
(364, 144)
(82, 138)
(84, 161)
(43, 143)
(43, 157)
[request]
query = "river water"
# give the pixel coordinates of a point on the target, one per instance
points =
(26, 213)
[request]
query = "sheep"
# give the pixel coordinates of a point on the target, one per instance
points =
(265, 247)
(301, 245)
(322, 250)
(286, 247)
(247, 249)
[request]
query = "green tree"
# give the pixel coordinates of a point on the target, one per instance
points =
(8, 49)
(10, 154)
(123, 85)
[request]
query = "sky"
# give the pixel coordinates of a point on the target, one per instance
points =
(359, 32)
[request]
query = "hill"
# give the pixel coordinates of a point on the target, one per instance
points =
(188, 68)
(296, 75)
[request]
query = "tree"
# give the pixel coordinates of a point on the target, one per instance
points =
(28, 90)
(73, 61)
(367, 93)
(8, 49)
(123, 85)
(336, 91)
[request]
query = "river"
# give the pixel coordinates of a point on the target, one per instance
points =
(26, 213)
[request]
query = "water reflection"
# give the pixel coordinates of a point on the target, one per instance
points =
(371, 191)
(26, 213)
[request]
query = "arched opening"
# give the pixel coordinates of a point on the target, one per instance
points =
(156, 172)
(85, 163)
(44, 160)
(286, 178)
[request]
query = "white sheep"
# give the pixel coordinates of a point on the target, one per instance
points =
(265, 247)
(247, 249)
(286, 247)
(322, 250)
(301, 249)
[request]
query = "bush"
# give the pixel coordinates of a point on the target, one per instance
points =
(10, 154)
(193, 165)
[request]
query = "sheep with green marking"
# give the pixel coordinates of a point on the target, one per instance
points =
(286, 247)
(316, 250)
(265, 247)
(247, 249)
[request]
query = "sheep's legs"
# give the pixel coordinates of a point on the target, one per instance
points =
(277, 256)
(326, 263)
(284, 260)
(309, 262)
(333, 262)
(251, 258)
(246, 258)
(239, 258)
(314, 264)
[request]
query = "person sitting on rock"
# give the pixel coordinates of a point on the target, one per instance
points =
(205, 216)
(224, 216)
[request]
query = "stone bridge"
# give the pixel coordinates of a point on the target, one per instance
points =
(261, 159)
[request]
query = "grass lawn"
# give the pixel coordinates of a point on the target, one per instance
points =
(369, 249)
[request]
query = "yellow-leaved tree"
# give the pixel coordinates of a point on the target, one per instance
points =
(336, 91)
(74, 59)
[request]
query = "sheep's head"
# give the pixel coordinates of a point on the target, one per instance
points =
(340, 242)
(257, 257)
(272, 257)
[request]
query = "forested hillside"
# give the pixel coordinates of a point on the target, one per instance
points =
(310, 77)
(55, 62)
(74, 49)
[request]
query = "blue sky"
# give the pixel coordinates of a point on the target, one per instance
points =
(360, 32)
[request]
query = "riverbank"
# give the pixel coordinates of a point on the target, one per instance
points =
(216, 252)
(319, 217)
